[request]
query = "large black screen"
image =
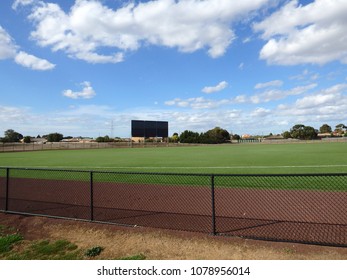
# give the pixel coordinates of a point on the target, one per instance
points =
(141, 128)
(162, 129)
(137, 128)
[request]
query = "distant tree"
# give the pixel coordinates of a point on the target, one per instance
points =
(174, 138)
(55, 137)
(188, 136)
(38, 136)
(297, 131)
(286, 135)
(216, 135)
(300, 131)
(310, 133)
(12, 136)
(100, 139)
(27, 139)
(340, 128)
(325, 128)
(236, 137)
(105, 138)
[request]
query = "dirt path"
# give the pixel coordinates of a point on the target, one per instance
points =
(163, 244)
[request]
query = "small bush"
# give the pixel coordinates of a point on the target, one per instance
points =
(6, 242)
(93, 252)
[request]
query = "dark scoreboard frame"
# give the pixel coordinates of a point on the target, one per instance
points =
(146, 129)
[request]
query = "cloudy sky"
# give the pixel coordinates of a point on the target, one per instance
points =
(84, 67)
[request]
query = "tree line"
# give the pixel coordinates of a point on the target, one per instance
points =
(216, 135)
(11, 136)
(300, 131)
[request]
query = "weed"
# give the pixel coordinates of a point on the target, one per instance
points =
(95, 251)
(6, 242)
(289, 250)
(46, 250)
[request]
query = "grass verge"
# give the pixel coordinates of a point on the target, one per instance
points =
(13, 246)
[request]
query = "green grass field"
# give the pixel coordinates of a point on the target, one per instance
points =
(313, 158)
(225, 159)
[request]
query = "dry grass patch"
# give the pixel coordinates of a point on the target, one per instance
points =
(121, 242)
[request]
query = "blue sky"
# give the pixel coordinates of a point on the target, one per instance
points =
(251, 66)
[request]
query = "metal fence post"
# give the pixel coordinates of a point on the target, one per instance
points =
(213, 206)
(7, 188)
(91, 197)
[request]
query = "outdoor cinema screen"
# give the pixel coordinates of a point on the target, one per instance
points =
(149, 128)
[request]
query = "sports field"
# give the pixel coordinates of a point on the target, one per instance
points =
(300, 208)
(218, 159)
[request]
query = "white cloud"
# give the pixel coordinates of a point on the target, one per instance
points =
(332, 96)
(187, 25)
(86, 93)
(263, 97)
(297, 34)
(222, 85)
(198, 103)
(306, 75)
(97, 58)
(241, 99)
(328, 105)
(33, 62)
(275, 83)
(9, 50)
(276, 94)
(260, 113)
(9, 114)
(7, 46)
(18, 3)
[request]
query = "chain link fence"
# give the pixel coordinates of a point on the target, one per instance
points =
(301, 208)
(25, 147)
(3, 183)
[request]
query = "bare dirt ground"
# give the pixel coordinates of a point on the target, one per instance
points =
(163, 244)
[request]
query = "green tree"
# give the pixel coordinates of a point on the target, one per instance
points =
(310, 133)
(300, 131)
(174, 138)
(55, 137)
(325, 128)
(12, 136)
(188, 136)
(105, 138)
(340, 128)
(27, 139)
(236, 137)
(286, 135)
(297, 131)
(216, 135)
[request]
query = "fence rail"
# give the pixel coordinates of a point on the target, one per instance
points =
(22, 147)
(25, 147)
(304, 208)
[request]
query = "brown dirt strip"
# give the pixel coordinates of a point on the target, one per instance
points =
(290, 215)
